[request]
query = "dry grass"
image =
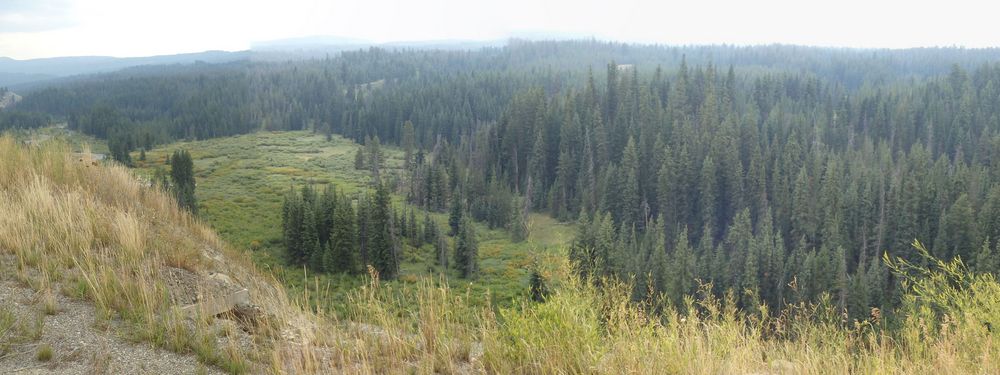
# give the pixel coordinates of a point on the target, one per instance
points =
(94, 231)
(44, 353)
(584, 330)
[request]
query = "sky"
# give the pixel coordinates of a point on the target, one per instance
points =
(122, 28)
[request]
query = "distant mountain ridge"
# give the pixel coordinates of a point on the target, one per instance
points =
(20, 72)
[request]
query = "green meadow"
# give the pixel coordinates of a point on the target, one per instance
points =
(242, 182)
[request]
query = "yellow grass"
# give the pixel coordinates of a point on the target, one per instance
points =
(70, 222)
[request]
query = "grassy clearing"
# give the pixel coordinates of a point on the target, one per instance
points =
(242, 182)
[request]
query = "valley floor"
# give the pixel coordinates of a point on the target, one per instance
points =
(242, 182)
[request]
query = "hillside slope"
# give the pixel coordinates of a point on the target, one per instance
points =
(75, 231)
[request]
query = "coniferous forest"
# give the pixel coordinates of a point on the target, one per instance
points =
(774, 174)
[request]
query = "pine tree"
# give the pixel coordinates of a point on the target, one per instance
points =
(989, 215)
(750, 287)
(408, 143)
(682, 269)
(838, 264)
(538, 169)
(292, 218)
(182, 180)
(456, 214)
(311, 251)
(466, 250)
(364, 213)
(803, 209)
(359, 159)
(737, 246)
(987, 260)
(653, 244)
(605, 246)
(430, 228)
(707, 199)
(412, 231)
(518, 222)
(859, 303)
(342, 245)
(562, 192)
(629, 212)
(537, 286)
(376, 159)
(961, 233)
(325, 212)
(381, 240)
(586, 185)
(441, 248)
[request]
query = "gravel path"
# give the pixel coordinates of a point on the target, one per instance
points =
(78, 347)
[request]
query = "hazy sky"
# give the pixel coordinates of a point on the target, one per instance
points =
(44, 28)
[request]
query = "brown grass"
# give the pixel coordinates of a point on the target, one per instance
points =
(97, 228)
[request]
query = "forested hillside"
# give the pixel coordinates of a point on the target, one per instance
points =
(782, 174)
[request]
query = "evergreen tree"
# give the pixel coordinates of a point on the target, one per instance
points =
(311, 250)
(342, 248)
(466, 250)
(182, 180)
(961, 233)
(292, 224)
(359, 159)
(441, 248)
(376, 160)
(456, 214)
(381, 245)
(987, 260)
(707, 199)
(408, 143)
(629, 211)
(430, 229)
(415, 235)
(518, 223)
(537, 286)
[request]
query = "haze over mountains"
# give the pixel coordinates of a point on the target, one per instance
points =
(21, 75)
(29, 73)
(14, 73)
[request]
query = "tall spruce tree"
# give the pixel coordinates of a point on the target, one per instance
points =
(466, 249)
(381, 241)
(182, 180)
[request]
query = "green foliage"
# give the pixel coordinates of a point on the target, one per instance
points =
(466, 252)
(22, 120)
(456, 213)
(182, 180)
(518, 225)
(359, 159)
(945, 296)
(538, 287)
(382, 244)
